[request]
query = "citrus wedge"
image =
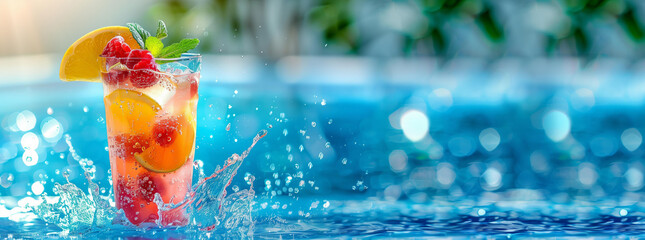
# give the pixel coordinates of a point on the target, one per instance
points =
(81, 60)
(129, 111)
(169, 158)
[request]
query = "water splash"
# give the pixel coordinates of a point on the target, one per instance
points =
(209, 206)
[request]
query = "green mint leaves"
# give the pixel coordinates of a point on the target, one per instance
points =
(154, 44)
(162, 32)
(176, 49)
(139, 34)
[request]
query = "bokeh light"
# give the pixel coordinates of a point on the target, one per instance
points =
(415, 125)
(556, 125)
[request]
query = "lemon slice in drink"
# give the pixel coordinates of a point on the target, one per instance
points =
(81, 60)
(131, 112)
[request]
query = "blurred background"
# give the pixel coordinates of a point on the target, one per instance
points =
(415, 100)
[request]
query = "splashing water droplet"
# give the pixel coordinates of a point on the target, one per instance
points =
(228, 127)
(327, 145)
(313, 124)
(310, 165)
(301, 148)
(285, 132)
(50, 111)
(86, 109)
(330, 121)
(344, 161)
(261, 133)
(323, 102)
(326, 204)
(321, 155)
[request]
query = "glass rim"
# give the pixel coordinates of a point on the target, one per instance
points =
(185, 56)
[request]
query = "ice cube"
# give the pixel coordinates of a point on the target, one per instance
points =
(163, 91)
(174, 68)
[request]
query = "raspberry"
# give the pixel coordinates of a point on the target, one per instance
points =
(149, 185)
(165, 131)
(144, 63)
(125, 145)
(194, 85)
(143, 78)
(136, 209)
(139, 55)
(116, 50)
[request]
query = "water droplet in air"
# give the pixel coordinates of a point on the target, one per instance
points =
(285, 132)
(235, 188)
(229, 106)
(344, 161)
(228, 127)
(50, 111)
(313, 124)
(6, 180)
(310, 165)
(301, 148)
(262, 133)
(320, 155)
(330, 121)
(326, 204)
(235, 91)
(327, 145)
(323, 102)
(100, 119)
(325, 44)
(288, 148)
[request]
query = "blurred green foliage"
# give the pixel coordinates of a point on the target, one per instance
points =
(334, 19)
(583, 12)
(236, 26)
(439, 12)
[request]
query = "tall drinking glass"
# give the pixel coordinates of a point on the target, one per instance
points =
(151, 119)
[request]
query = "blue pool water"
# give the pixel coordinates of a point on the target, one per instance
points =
(482, 155)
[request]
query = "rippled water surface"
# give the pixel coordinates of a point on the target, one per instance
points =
(359, 218)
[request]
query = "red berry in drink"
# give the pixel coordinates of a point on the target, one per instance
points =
(194, 86)
(116, 50)
(126, 145)
(144, 68)
(149, 184)
(165, 131)
(138, 55)
(143, 78)
(135, 208)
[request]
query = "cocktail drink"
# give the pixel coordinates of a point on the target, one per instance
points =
(150, 117)
(150, 97)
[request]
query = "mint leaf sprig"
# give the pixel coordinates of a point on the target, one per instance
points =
(156, 46)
